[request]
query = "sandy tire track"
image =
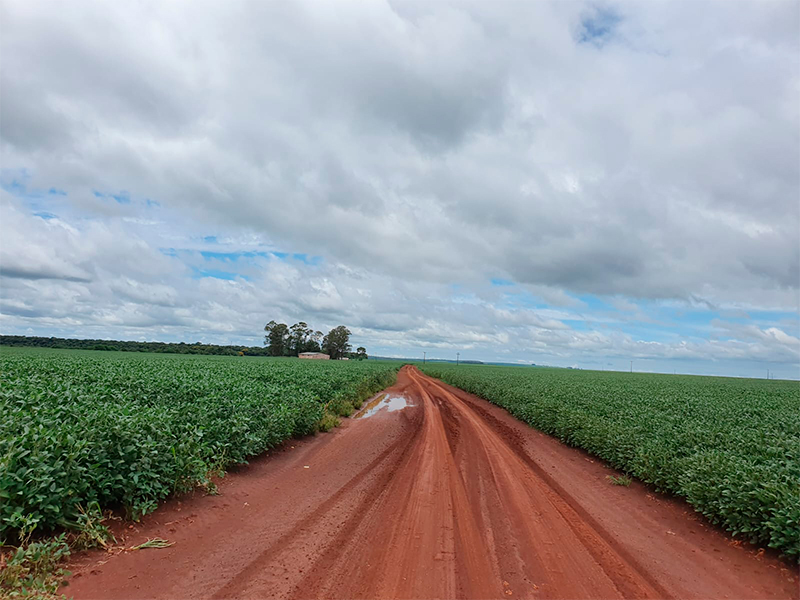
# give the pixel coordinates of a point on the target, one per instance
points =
(448, 498)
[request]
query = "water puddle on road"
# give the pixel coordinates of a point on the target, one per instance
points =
(387, 401)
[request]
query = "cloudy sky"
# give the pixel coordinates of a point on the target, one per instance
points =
(567, 184)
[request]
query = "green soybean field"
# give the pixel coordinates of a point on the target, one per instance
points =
(730, 447)
(86, 429)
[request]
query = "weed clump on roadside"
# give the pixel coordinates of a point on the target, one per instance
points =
(33, 569)
(328, 422)
(622, 480)
(341, 407)
(90, 531)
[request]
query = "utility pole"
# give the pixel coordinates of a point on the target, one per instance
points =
(457, 355)
(424, 355)
(631, 366)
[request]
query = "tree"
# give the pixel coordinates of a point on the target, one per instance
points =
(361, 353)
(336, 343)
(315, 342)
(298, 339)
(277, 339)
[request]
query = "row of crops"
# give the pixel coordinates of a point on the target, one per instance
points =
(82, 428)
(731, 447)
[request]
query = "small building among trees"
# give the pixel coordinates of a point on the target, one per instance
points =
(314, 355)
(300, 340)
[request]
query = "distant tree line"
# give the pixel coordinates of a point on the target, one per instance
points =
(160, 347)
(283, 340)
(280, 341)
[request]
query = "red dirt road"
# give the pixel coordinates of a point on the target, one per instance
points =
(447, 498)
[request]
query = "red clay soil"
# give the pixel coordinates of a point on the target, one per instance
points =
(450, 497)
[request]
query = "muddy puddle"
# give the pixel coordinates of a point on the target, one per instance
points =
(390, 402)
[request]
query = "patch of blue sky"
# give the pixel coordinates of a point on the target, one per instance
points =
(234, 256)
(651, 321)
(221, 256)
(517, 298)
(168, 251)
(231, 256)
(122, 197)
(672, 316)
(299, 256)
(593, 302)
(45, 215)
(243, 255)
(669, 317)
(15, 182)
(198, 273)
(14, 179)
(500, 282)
(210, 239)
(599, 27)
(285, 256)
(151, 203)
(307, 259)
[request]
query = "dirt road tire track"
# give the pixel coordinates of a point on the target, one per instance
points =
(448, 498)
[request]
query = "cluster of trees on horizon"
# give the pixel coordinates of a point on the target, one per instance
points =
(283, 340)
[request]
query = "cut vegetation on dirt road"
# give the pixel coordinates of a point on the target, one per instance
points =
(731, 447)
(449, 497)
